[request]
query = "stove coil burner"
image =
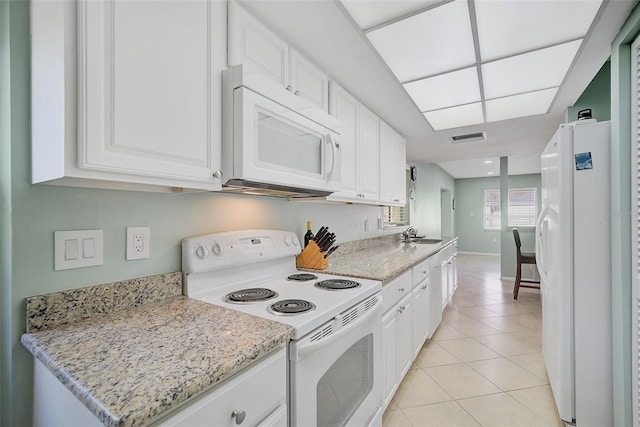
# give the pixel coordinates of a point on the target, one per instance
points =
(337, 284)
(289, 307)
(250, 295)
(302, 277)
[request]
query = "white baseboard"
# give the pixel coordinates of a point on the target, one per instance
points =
(477, 253)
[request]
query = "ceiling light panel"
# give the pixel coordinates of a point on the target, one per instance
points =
(428, 43)
(369, 14)
(527, 104)
(445, 90)
(463, 115)
(531, 71)
(510, 27)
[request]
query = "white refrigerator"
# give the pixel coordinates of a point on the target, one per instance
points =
(573, 257)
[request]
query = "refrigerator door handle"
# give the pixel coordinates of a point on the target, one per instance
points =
(540, 257)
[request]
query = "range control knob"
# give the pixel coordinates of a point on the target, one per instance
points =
(217, 249)
(294, 239)
(202, 252)
(288, 240)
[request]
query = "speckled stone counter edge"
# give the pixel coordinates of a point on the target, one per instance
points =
(52, 310)
(358, 245)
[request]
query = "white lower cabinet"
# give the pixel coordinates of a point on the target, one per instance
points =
(421, 306)
(435, 294)
(242, 400)
(239, 400)
(397, 333)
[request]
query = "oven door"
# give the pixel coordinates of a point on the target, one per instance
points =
(336, 371)
(278, 145)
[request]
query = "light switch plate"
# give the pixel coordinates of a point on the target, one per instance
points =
(78, 248)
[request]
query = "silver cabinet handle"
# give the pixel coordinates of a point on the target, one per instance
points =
(289, 88)
(217, 174)
(401, 289)
(297, 92)
(424, 271)
(424, 287)
(239, 416)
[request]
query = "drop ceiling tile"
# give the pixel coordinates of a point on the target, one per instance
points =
(428, 43)
(463, 115)
(523, 105)
(368, 14)
(511, 27)
(445, 90)
(531, 71)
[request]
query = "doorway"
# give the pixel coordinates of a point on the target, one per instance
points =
(446, 212)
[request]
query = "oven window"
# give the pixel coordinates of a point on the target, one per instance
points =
(346, 384)
(293, 148)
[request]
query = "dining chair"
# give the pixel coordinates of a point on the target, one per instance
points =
(522, 258)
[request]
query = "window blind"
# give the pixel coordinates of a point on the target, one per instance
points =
(522, 208)
(398, 215)
(492, 209)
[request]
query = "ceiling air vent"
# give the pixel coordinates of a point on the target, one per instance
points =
(477, 136)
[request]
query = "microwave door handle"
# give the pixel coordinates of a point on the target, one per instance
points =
(329, 140)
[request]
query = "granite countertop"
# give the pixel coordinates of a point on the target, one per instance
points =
(382, 262)
(129, 367)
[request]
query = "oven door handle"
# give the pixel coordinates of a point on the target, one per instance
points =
(303, 349)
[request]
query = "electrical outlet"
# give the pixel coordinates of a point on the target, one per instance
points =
(138, 243)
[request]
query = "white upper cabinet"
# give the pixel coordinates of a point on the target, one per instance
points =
(344, 107)
(308, 81)
(146, 76)
(368, 162)
(392, 167)
(360, 145)
(253, 44)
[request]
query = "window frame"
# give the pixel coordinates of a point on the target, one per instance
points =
(496, 211)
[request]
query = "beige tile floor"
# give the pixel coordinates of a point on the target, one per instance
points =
(484, 365)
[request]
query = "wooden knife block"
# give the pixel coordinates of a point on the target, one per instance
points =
(312, 257)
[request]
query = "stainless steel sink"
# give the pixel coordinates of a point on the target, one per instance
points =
(425, 240)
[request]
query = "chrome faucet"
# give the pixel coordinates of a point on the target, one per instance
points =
(408, 234)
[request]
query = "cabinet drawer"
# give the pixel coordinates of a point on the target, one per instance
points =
(447, 252)
(420, 272)
(243, 392)
(395, 290)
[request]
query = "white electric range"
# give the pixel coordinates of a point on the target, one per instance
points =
(335, 366)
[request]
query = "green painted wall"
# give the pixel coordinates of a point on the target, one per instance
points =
(469, 216)
(469, 219)
(621, 250)
(596, 96)
(36, 211)
(425, 208)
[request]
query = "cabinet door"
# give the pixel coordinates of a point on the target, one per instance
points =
(308, 81)
(405, 341)
(444, 281)
(420, 295)
(368, 154)
(149, 88)
(435, 299)
(390, 356)
(392, 166)
(254, 45)
(345, 108)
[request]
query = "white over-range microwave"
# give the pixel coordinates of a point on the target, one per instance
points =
(274, 142)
